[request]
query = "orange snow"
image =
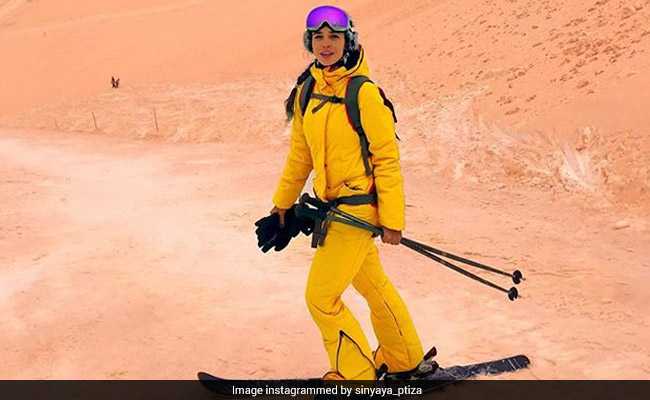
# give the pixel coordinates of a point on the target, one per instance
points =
(129, 246)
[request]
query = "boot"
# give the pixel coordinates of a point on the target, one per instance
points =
(426, 367)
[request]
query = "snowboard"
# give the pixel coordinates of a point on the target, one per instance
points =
(436, 378)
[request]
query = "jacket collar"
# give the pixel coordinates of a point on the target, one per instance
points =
(338, 78)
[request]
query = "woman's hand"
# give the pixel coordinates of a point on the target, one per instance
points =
(281, 212)
(391, 237)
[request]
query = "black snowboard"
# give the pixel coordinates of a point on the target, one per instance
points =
(436, 379)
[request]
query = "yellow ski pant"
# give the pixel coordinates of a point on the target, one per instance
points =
(349, 256)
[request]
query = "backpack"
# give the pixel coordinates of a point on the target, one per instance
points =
(351, 102)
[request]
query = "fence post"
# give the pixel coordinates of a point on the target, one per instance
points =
(155, 119)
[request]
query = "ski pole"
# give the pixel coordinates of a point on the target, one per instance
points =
(512, 292)
(359, 223)
(516, 276)
(425, 250)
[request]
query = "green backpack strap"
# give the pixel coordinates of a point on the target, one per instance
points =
(390, 106)
(354, 116)
(306, 92)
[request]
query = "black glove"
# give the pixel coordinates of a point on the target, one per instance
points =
(292, 227)
(267, 231)
(271, 235)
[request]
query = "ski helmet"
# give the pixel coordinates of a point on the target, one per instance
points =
(337, 20)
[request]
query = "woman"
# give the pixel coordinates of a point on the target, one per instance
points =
(323, 140)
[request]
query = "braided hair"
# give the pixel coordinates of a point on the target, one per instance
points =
(289, 102)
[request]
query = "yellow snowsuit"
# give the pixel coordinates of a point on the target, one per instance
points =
(326, 142)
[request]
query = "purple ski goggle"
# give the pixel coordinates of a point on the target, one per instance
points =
(336, 18)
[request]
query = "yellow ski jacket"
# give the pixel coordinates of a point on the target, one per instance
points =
(326, 142)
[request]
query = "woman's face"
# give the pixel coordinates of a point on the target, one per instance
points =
(327, 45)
